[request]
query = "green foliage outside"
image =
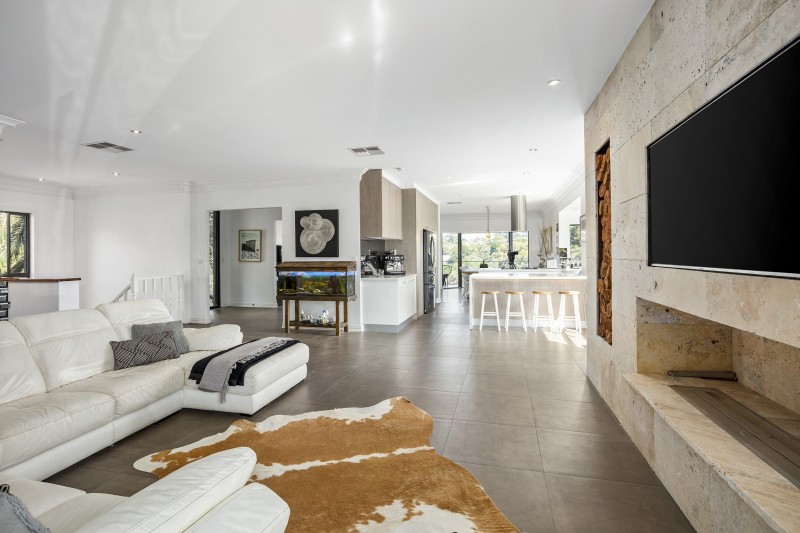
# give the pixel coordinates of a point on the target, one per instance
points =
(12, 250)
(575, 241)
(476, 248)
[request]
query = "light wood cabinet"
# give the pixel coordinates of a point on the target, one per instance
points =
(381, 207)
(430, 214)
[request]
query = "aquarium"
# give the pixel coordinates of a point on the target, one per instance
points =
(322, 279)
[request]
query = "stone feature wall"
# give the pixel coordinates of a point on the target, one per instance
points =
(602, 167)
(683, 54)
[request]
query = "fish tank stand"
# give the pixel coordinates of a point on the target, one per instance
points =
(318, 281)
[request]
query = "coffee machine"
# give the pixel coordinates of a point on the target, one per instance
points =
(371, 263)
(393, 263)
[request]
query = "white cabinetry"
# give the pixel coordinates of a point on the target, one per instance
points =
(388, 301)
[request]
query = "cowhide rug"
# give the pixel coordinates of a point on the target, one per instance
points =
(355, 469)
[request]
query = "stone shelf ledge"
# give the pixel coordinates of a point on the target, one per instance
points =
(718, 483)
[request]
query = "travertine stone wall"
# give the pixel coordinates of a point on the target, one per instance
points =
(684, 53)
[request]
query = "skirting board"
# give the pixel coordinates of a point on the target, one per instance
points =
(383, 328)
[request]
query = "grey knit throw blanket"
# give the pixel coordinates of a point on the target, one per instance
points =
(218, 371)
(14, 516)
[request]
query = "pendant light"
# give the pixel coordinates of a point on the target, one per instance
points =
(488, 235)
(519, 213)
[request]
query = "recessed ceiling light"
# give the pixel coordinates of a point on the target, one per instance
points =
(39, 179)
(532, 149)
(453, 203)
(399, 169)
(553, 83)
(116, 173)
(137, 132)
(526, 173)
(448, 177)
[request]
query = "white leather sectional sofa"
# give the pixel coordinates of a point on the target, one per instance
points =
(61, 400)
(206, 496)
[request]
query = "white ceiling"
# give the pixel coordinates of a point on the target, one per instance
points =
(454, 91)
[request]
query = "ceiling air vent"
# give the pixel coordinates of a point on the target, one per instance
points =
(108, 147)
(368, 150)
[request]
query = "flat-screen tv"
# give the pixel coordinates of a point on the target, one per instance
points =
(724, 184)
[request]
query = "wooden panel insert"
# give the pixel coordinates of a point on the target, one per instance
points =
(602, 165)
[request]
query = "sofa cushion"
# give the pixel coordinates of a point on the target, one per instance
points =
(178, 500)
(68, 345)
(35, 424)
(214, 338)
(175, 327)
(144, 350)
(19, 375)
(133, 388)
(39, 496)
(122, 315)
(254, 507)
(260, 375)
(70, 516)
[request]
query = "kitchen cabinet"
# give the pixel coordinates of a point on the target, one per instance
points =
(430, 214)
(388, 301)
(381, 207)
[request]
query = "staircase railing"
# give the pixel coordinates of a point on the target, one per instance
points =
(167, 288)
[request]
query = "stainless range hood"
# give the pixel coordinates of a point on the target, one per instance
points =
(519, 212)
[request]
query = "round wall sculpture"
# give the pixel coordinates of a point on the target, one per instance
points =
(316, 233)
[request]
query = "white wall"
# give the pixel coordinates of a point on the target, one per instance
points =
(248, 284)
(342, 194)
(574, 187)
(51, 210)
(124, 232)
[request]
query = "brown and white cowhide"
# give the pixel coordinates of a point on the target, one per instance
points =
(355, 469)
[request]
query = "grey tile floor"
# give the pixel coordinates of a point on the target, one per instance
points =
(514, 408)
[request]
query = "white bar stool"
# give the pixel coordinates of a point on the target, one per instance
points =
(495, 313)
(520, 313)
(562, 310)
(550, 316)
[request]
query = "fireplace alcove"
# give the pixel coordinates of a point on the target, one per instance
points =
(704, 468)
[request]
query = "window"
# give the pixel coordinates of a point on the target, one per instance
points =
(473, 249)
(14, 252)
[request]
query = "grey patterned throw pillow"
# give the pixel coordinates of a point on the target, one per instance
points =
(143, 351)
(176, 327)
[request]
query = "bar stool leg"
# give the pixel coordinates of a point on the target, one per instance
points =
(508, 308)
(497, 311)
(522, 312)
(483, 306)
(562, 304)
(576, 306)
(535, 320)
(551, 313)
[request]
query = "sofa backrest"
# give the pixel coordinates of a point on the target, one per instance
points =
(68, 345)
(123, 315)
(19, 375)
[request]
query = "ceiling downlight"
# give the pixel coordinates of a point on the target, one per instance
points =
(108, 147)
(366, 151)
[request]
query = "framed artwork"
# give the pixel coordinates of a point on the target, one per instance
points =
(249, 245)
(316, 233)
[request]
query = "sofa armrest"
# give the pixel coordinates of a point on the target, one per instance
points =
(216, 338)
(253, 508)
(178, 500)
(40, 496)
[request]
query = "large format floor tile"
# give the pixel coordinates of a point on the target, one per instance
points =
(514, 408)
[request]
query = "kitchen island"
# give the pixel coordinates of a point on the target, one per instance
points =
(526, 280)
(388, 303)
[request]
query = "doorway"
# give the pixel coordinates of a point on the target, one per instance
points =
(214, 284)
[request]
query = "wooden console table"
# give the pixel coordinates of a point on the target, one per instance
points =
(297, 323)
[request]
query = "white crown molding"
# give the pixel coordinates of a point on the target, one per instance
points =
(8, 121)
(133, 190)
(32, 186)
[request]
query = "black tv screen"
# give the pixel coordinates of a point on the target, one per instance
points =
(724, 184)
